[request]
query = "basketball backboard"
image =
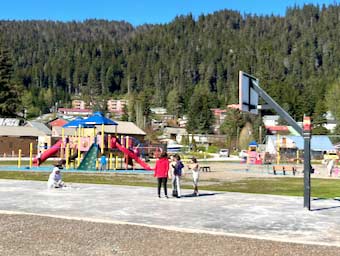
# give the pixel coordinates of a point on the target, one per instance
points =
(248, 97)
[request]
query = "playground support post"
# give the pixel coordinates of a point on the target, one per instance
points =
(72, 152)
(62, 143)
(102, 142)
(31, 154)
(78, 146)
(109, 142)
(110, 162)
(278, 157)
(67, 155)
(19, 158)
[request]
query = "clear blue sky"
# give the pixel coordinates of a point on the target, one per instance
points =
(138, 12)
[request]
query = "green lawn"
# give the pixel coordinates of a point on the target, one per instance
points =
(25, 162)
(322, 188)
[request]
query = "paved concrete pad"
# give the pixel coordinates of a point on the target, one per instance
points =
(261, 216)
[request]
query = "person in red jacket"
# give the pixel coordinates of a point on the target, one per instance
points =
(161, 172)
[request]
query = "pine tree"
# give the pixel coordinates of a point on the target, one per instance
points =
(200, 117)
(9, 95)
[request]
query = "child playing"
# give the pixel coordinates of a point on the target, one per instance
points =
(194, 167)
(54, 180)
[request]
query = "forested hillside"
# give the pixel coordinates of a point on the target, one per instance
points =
(296, 58)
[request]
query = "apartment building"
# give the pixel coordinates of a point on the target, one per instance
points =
(116, 106)
(78, 104)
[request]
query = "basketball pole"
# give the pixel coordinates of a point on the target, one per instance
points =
(305, 133)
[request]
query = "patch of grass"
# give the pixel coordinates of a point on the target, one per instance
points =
(24, 162)
(322, 188)
(39, 176)
(275, 186)
(93, 178)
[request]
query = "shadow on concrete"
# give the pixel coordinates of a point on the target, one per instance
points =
(201, 194)
(325, 208)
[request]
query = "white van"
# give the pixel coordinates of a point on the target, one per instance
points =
(224, 152)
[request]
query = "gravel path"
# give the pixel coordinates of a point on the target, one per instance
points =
(34, 235)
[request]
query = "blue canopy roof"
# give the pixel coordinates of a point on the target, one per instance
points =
(253, 143)
(75, 123)
(97, 119)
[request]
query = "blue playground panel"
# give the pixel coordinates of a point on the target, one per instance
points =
(49, 169)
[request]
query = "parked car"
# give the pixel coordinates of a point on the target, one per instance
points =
(224, 152)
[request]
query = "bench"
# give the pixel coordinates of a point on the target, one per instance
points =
(205, 169)
(284, 169)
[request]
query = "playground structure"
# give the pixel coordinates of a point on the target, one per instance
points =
(83, 151)
(88, 144)
(252, 155)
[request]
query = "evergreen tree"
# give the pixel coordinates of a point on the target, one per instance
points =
(200, 117)
(125, 116)
(174, 103)
(231, 127)
(296, 58)
(9, 94)
(332, 99)
(319, 118)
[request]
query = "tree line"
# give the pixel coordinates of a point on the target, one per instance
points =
(188, 65)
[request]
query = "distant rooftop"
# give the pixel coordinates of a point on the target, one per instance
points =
(40, 126)
(20, 131)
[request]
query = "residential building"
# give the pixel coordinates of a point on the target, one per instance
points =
(40, 126)
(158, 111)
(177, 134)
(19, 137)
(78, 104)
(57, 122)
(331, 122)
(270, 120)
(219, 114)
(117, 106)
(182, 122)
(290, 144)
(9, 122)
(74, 112)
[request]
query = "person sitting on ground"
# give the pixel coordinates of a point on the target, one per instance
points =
(54, 180)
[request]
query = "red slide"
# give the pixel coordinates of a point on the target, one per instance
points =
(49, 152)
(133, 156)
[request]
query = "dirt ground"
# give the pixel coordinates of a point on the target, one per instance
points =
(35, 235)
(236, 171)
